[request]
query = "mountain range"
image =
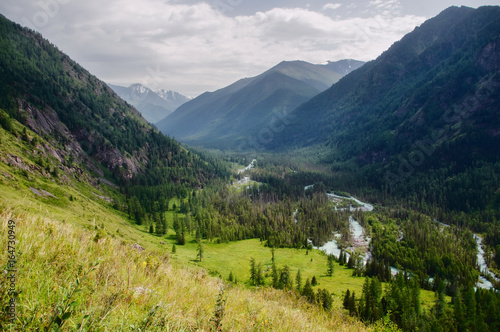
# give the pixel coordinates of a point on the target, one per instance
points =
(425, 109)
(153, 105)
(226, 117)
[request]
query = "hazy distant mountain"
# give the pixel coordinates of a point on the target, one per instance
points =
(153, 105)
(229, 116)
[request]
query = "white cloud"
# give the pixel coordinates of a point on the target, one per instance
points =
(194, 48)
(332, 6)
(388, 6)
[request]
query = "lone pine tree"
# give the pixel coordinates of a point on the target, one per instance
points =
(200, 251)
(330, 263)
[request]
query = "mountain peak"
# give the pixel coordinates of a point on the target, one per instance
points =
(171, 96)
(153, 105)
(139, 91)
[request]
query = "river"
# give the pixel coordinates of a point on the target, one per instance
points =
(358, 238)
(249, 167)
(483, 267)
(246, 181)
(365, 207)
(481, 262)
(360, 241)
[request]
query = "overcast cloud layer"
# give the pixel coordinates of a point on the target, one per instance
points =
(197, 46)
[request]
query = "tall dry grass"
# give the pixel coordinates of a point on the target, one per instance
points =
(69, 280)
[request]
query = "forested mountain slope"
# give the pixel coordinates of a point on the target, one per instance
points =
(82, 117)
(426, 111)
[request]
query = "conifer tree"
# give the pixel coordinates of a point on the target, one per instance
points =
(352, 304)
(180, 230)
(285, 281)
(188, 223)
(160, 229)
(324, 298)
(259, 280)
(135, 210)
(200, 251)
(308, 292)
(440, 304)
(350, 263)
(347, 298)
(370, 305)
(176, 223)
(459, 311)
(364, 304)
(275, 275)
(388, 274)
(470, 305)
(253, 274)
(330, 262)
(198, 234)
(298, 281)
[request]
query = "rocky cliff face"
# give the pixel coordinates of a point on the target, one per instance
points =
(80, 118)
(64, 145)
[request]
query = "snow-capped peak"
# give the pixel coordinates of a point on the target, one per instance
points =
(170, 95)
(139, 89)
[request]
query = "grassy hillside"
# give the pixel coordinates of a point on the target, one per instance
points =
(66, 278)
(34, 181)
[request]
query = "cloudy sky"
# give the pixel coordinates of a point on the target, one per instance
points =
(192, 46)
